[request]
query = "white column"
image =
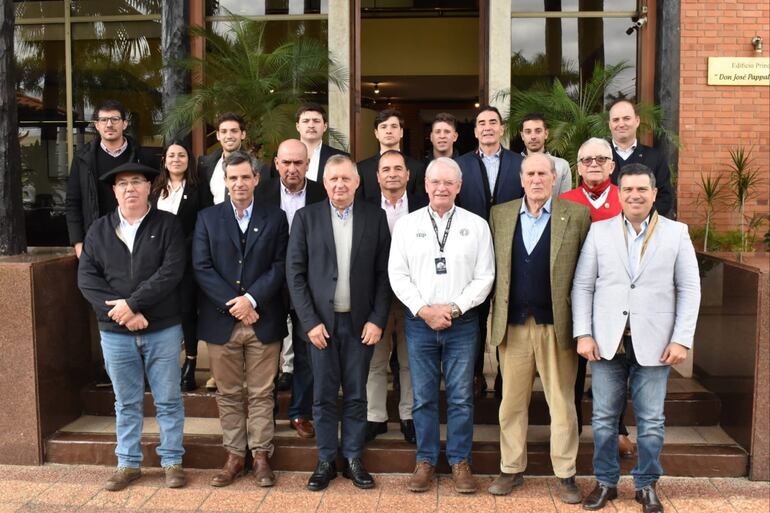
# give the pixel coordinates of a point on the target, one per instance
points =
(339, 49)
(499, 58)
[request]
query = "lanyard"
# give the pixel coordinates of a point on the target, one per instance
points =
(442, 242)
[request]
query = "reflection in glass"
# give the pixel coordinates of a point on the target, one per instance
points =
(573, 5)
(47, 9)
(115, 8)
(263, 7)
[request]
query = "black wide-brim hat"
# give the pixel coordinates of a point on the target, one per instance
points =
(130, 167)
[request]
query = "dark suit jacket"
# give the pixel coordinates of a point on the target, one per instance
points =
(311, 266)
(194, 199)
(370, 189)
(474, 194)
(652, 158)
(223, 271)
(207, 164)
(326, 152)
(268, 192)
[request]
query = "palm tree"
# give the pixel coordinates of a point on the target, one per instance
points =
(265, 86)
(576, 113)
(709, 195)
(743, 181)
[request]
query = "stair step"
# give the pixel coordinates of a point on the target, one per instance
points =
(682, 408)
(689, 450)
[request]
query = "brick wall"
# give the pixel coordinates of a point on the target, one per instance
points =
(714, 119)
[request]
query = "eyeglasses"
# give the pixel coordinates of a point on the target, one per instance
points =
(113, 119)
(601, 159)
(445, 183)
(135, 183)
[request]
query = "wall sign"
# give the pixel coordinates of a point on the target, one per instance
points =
(739, 71)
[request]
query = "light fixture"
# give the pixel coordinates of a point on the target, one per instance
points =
(477, 105)
(376, 88)
(756, 42)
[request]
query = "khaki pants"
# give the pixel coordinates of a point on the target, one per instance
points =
(245, 359)
(528, 348)
(377, 383)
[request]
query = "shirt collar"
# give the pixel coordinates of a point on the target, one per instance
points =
(300, 192)
(483, 155)
(246, 211)
(124, 221)
(114, 153)
(630, 227)
(434, 214)
(385, 203)
(546, 208)
(345, 214)
(619, 149)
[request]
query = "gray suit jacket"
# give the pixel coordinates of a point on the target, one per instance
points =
(661, 302)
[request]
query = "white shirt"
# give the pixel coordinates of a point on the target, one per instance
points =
(292, 201)
(624, 154)
(172, 200)
(217, 183)
(312, 168)
(599, 201)
(470, 260)
(395, 212)
(115, 153)
(127, 231)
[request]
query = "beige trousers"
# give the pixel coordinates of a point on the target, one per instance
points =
(528, 348)
(244, 359)
(377, 383)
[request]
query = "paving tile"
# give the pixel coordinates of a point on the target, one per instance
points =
(132, 497)
(742, 488)
(395, 485)
(46, 473)
(179, 499)
(232, 501)
(626, 505)
(516, 504)
(12, 490)
(69, 494)
(752, 505)
(290, 502)
(412, 503)
(342, 486)
(349, 503)
(710, 505)
(293, 481)
(96, 474)
(47, 508)
(467, 503)
(10, 507)
(688, 488)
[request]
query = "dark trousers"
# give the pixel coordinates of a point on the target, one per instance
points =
(344, 361)
(189, 297)
(301, 406)
(580, 383)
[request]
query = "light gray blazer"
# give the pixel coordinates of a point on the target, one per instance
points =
(662, 301)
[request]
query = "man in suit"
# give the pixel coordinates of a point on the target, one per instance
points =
(338, 280)
(239, 251)
(231, 132)
(392, 175)
(441, 268)
(490, 176)
(635, 301)
(624, 123)
(290, 192)
(389, 131)
(312, 124)
(537, 244)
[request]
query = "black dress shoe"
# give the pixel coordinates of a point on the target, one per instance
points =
(407, 428)
(375, 428)
(188, 375)
(324, 472)
(599, 496)
(356, 472)
(284, 381)
(648, 498)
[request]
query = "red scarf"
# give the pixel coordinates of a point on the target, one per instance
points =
(598, 190)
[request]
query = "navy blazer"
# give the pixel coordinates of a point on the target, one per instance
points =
(654, 159)
(311, 266)
(474, 194)
(223, 271)
(268, 192)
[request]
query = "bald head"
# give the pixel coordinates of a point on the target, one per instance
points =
(291, 163)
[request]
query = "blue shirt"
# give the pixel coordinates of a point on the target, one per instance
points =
(243, 222)
(532, 227)
(634, 243)
(492, 166)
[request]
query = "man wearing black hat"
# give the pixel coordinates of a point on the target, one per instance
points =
(130, 267)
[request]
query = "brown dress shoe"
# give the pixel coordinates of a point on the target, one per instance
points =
(422, 478)
(625, 447)
(463, 478)
(569, 493)
(175, 477)
(262, 472)
(122, 477)
(233, 468)
(505, 483)
(304, 427)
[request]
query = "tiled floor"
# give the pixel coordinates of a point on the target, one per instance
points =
(62, 488)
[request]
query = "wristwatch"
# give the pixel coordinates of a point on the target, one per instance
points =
(455, 311)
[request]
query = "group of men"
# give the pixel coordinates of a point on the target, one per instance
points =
(391, 254)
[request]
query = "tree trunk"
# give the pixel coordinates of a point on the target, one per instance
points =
(174, 46)
(590, 41)
(13, 240)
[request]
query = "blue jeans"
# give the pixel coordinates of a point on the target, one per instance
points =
(127, 358)
(454, 351)
(648, 394)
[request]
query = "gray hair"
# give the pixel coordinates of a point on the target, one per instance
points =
(551, 163)
(447, 162)
(238, 157)
(336, 160)
(597, 141)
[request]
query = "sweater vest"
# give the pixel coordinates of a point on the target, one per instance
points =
(530, 292)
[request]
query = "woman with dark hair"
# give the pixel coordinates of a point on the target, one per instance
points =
(177, 190)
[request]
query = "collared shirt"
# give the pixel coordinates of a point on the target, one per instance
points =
(395, 212)
(312, 168)
(600, 199)
(468, 254)
(127, 231)
(173, 199)
(342, 229)
(635, 242)
(624, 154)
(243, 222)
(346, 213)
(532, 227)
(114, 153)
(292, 201)
(492, 165)
(217, 183)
